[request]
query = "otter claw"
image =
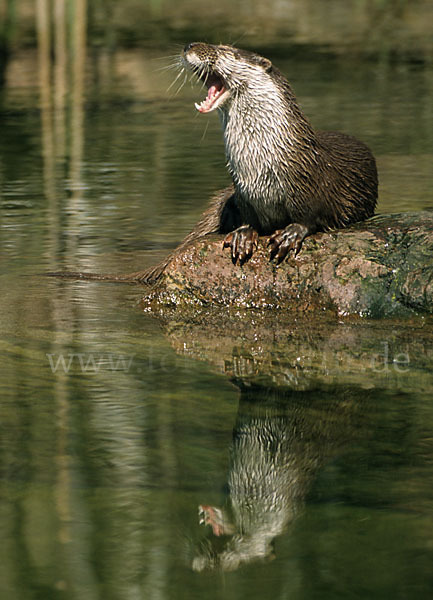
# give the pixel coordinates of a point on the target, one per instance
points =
(243, 242)
(284, 240)
(213, 516)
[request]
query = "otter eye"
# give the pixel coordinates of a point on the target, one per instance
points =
(254, 59)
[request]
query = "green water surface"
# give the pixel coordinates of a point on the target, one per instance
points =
(115, 427)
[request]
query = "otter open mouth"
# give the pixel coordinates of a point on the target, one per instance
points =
(217, 94)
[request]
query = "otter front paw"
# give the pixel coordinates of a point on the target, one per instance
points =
(243, 242)
(284, 240)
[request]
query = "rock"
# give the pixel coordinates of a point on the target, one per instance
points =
(380, 267)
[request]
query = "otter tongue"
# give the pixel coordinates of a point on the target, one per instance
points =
(212, 94)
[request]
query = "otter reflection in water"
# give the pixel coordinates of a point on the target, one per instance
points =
(279, 443)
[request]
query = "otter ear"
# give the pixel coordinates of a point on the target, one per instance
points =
(265, 63)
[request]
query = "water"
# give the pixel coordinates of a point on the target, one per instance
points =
(313, 438)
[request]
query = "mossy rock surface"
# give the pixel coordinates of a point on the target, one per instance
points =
(381, 267)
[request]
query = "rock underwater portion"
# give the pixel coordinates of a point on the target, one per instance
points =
(380, 267)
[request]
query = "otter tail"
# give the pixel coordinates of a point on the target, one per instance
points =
(220, 217)
(85, 276)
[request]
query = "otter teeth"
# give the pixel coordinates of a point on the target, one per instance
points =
(214, 98)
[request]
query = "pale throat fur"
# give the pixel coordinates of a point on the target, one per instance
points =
(260, 137)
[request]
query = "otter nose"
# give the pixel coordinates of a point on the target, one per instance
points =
(189, 46)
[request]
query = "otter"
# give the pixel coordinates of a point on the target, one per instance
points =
(289, 181)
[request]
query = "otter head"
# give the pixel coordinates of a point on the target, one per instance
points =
(224, 70)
